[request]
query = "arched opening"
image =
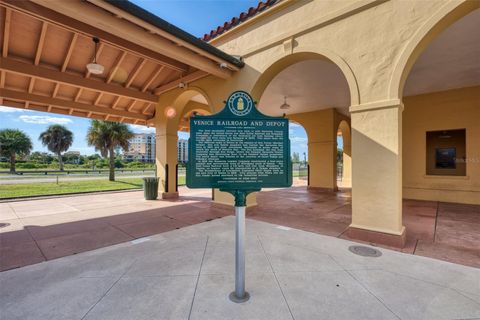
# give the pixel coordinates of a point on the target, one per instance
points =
(344, 156)
(172, 144)
(313, 91)
(440, 146)
(315, 94)
(299, 153)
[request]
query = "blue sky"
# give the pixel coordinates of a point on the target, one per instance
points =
(194, 16)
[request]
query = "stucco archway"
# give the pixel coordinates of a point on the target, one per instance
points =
(448, 14)
(301, 54)
(183, 103)
(346, 169)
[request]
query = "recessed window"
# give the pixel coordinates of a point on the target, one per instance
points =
(446, 153)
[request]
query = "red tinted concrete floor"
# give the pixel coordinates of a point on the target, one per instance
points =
(37, 230)
(444, 231)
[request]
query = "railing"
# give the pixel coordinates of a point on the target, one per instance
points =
(75, 171)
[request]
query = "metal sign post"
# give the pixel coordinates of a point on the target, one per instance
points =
(240, 295)
(239, 150)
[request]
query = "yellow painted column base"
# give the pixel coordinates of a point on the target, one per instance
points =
(226, 199)
(377, 237)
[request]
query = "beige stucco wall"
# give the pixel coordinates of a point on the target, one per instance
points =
(453, 109)
(374, 43)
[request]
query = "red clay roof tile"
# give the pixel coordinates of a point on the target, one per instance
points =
(252, 11)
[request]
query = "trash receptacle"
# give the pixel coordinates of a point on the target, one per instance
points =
(150, 188)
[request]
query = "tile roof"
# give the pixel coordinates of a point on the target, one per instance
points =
(252, 11)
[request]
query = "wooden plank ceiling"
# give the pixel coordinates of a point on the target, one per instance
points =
(45, 53)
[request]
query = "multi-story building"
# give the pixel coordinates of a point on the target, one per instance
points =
(142, 148)
(182, 147)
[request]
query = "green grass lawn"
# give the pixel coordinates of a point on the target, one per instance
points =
(51, 188)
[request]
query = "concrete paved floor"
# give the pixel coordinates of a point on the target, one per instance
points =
(38, 230)
(445, 231)
(290, 274)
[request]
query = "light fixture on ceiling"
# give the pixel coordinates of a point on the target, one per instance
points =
(94, 67)
(182, 85)
(285, 105)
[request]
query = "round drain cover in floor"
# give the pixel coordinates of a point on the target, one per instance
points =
(365, 251)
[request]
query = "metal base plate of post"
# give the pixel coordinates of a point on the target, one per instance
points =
(233, 297)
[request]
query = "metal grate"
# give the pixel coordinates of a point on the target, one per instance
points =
(365, 251)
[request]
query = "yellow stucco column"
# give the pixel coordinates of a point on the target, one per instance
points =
(347, 164)
(166, 153)
(377, 173)
(226, 199)
(322, 147)
(322, 165)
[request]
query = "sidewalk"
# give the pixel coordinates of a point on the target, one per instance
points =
(290, 274)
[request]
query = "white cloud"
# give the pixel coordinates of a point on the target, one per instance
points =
(294, 125)
(9, 109)
(44, 119)
(137, 128)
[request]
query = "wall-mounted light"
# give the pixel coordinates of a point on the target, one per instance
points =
(94, 67)
(170, 112)
(285, 105)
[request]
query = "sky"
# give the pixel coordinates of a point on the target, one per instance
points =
(194, 16)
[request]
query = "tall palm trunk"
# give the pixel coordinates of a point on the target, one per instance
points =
(12, 162)
(112, 165)
(60, 161)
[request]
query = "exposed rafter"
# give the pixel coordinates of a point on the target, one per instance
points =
(41, 42)
(6, 32)
(135, 72)
(14, 66)
(69, 52)
(116, 65)
(152, 77)
(39, 99)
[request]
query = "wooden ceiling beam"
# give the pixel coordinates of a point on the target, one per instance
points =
(6, 31)
(72, 23)
(73, 41)
(152, 77)
(44, 100)
(116, 65)
(135, 72)
(187, 79)
(25, 69)
(41, 42)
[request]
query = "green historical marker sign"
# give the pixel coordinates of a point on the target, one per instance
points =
(239, 148)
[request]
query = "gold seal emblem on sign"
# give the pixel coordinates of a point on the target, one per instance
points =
(240, 104)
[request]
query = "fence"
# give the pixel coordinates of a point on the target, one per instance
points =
(76, 171)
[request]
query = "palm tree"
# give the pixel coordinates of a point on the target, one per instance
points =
(57, 139)
(105, 136)
(14, 142)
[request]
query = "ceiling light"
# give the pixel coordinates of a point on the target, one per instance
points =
(223, 65)
(94, 67)
(182, 85)
(285, 105)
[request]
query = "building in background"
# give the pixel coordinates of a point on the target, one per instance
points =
(142, 148)
(182, 147)
(72, 157)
